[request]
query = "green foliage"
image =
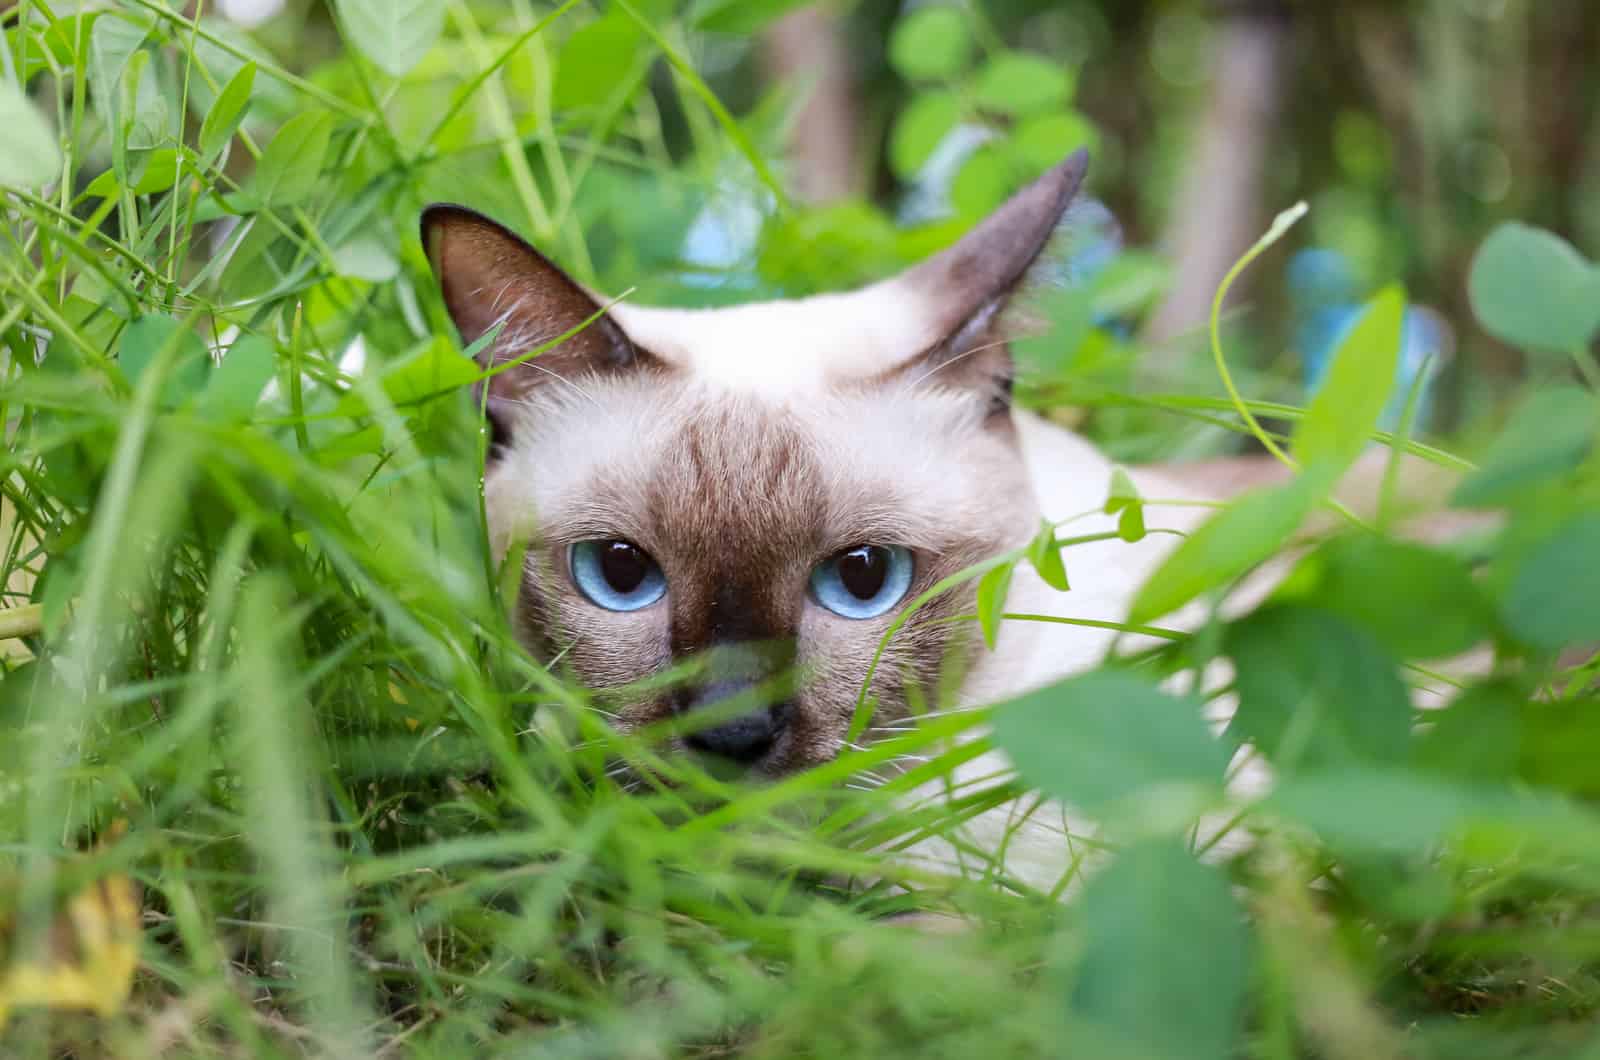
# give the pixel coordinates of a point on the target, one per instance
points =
(1345, 411)
(1533, 289)
(1019, 84)
(1019, 99)
(259, 657)
(1163, 934)
(1554, 596)
(393, 34)
(1230, 544)
(1547, 439)
(31, 156)
(1100, 740)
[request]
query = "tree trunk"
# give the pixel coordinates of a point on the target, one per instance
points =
(1219, 209)
(806, 49)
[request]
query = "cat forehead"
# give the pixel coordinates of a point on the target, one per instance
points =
(794, 348)
(660, 454)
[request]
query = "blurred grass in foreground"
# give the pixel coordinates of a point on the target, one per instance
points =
(269, 679)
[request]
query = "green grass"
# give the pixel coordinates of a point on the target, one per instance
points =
(258, 662)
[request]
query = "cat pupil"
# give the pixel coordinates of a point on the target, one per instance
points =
(863, 570)
(623, 565)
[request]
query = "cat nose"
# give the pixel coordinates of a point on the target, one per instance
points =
(745, 739)
(740, 674)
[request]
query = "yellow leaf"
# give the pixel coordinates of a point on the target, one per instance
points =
(91, 956)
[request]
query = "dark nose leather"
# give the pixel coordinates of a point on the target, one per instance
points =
(742, 670)
(745, 739)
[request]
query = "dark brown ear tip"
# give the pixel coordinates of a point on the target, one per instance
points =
(436, 214)
(1071, 171)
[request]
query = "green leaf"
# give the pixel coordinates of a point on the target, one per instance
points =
(30, 156)
(1342, 416)
(593, 58)
(1019, 84)
(930, 43)
(1548, 437)
(1100, 739)
(982, 183)
(366, 256)
(291, 166)
(112, 42)
(1130, 525)
(1313, 688)
(1478, 737)
(239, 379)
(1043, 140)
(919, 129)
(737, 16)
(1422, 603)
(1382, 811)
(1124, 497)
(64, 40)
(432, 372)
(223, 119)
(1132, 283)
(1045, 555)
(1554, 597)
(144, 119)
(992, 590)
(152, 336)
(159, 173)
(1560, 745)
(1230, 543)
(1532, 289)
(1166, 958)
(393, 34)
(1122, 492)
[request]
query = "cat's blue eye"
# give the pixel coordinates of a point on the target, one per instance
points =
(863, 582)
(616, 575)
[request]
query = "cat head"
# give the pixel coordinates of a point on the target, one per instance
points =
(762, 488)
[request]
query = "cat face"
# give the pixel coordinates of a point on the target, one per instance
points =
(761, 490)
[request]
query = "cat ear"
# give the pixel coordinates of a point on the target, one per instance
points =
(490, 276)
(970, 284)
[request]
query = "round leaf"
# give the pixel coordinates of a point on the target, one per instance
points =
(982, 184)
(147, 339)
(929, 43)
(1166, 958)
(1018, 83)
(1531, 288)
(240, 377)
(1423, 604)
(1554, 598)
(919, 130)
(1315, 689)
(1382, 811)
(1548, 437)
(1099, 739)
(1043, 140)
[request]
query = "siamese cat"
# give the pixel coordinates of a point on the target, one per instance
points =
(767, 486)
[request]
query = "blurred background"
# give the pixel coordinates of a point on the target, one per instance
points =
(876, 130)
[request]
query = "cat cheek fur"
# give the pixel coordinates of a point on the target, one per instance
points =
(738, 501)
